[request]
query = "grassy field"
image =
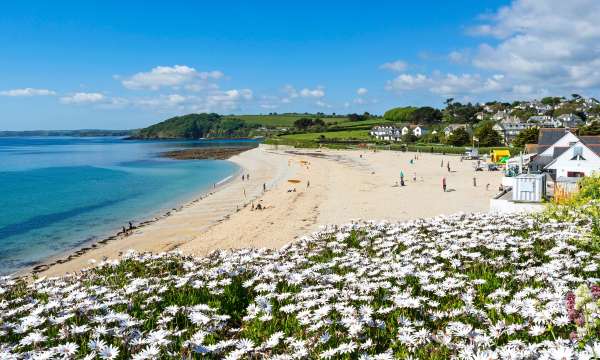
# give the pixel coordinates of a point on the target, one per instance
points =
(283, 120)
(337, 135)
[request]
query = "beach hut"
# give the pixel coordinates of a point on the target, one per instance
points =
(497, 155)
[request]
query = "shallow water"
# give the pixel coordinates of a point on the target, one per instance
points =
(58, 192)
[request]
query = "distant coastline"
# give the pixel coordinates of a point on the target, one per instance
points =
(74, 133)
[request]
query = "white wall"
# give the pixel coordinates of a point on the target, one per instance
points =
(563, 164)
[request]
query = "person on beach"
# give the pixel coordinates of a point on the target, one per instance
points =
(248, 177)
(442, 164)
(130, 225)
(487, 186)
(264, 187)
(242, 177)
(444, 184)
(124, 230)
(401, 178)
(474, 181)
(448, 165)
(307, 184)
(415, 177)
(244, 193)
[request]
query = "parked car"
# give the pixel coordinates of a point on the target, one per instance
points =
(471, 154)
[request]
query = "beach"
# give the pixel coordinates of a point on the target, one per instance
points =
(326, 187)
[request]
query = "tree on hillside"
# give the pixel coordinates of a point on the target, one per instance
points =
(432, 138)
(318, 122)
(461, 113)
(524, 114)
(399, 114)
(592, 129)
(425, 115)
(409, 138)
(550, 100)
(526, 136)
(595, 110)
(357, 117)
(230, 126)
(487, 135)
(459, 137)
(303, 123)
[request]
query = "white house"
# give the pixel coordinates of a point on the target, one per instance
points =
(417, 130)
(509, 130)
(389, 133)
(576, 161)
(569, 120)
(451, 127)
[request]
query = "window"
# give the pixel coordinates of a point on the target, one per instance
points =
(575, 174)
(578, 153)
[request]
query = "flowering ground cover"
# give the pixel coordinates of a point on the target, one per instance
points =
(471, 286)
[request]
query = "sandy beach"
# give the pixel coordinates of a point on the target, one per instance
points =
(344, 185)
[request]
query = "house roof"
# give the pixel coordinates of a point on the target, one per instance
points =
(594, 147)
(542, 161)
(455, 126)
(590, 140)
(548, 136)
(558, 150)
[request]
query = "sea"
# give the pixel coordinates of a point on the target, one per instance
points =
(58, 193)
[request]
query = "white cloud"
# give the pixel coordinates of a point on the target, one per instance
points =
(458, 57)
(83, 98)
(408, 82)
(290, 91)
(217, 101)
(170, 76)
(362, 91)
(27, 92)
(397, 66)
(551, 43)
(322, 104)
(316, 93)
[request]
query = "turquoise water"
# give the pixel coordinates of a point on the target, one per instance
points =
(58, 193)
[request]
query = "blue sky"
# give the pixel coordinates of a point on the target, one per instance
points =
(105, 64)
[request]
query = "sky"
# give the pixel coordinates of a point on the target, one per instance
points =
(128, 64)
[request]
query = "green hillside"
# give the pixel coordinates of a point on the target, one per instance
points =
(284, 120)
(194, 126)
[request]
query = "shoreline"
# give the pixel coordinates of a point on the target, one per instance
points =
(307, 189)
(93, 243)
